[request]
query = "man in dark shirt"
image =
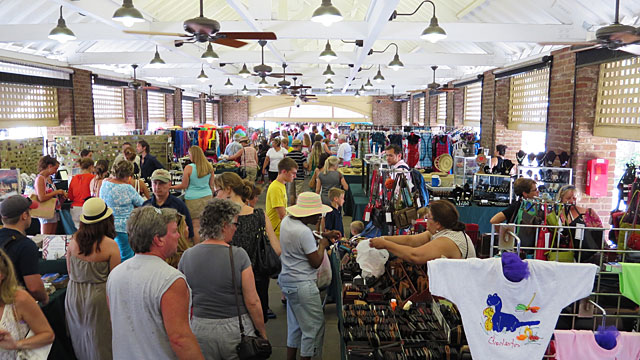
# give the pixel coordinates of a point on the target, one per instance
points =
(295, 188)
(23, 251)
(148, 162)
(160, 183)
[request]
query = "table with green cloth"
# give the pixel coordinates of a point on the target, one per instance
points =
(224, 170)
(355, 189)
(480, 215)
(62, 347)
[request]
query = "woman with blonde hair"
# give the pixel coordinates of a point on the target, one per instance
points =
(20, 313)
(197, 181)
(135, 181)
(306, 144)
(329, 178)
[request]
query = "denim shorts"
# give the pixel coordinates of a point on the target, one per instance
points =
(52, 220)
(305, 317)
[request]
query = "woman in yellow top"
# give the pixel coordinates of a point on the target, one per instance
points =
(197, 180)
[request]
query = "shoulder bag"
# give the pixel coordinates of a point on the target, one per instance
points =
(250, 347)
(243, 170)
(405, 211)
(46, 209)
(267, 261)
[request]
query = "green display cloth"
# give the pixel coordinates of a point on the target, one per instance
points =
(54, 312)
(480, 215)
(359, 204)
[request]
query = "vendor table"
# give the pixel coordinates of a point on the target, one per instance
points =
(355, 190)
(224, 170)
(62, 347)
(480, 215)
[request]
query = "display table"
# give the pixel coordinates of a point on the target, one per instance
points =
(480, 215)
(224, 170)
(355, 190)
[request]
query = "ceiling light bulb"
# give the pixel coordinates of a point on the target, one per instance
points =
(127, 14)
(329, 82)
(263, 83)
(157, 60)
(202, 77)
(368, 85)
(209, 55)
(61, 32)
(228, 84)
(245, 73)
(259, 94)
(396, 64)
(328, 73)
(326, 14)
(328, 55)
(433, 33)
(378, 78)
(245, 90)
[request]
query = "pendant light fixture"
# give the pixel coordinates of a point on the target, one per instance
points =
(362, 90)
(244, 72)
(127, 14)
(245, 90)
(157, 60)
(263, 83)
(368, 85)
(202, 77)
(61, 32)
(328, 55)
(228, 84)
(259, 94)
(209, 55)
(326, 14)
(433, 33)
(395, 64)
(378, 78)
(328, 82)
(328, 73)
(357, 93)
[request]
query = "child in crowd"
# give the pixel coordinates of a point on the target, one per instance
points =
(357, 227)
(333, 219)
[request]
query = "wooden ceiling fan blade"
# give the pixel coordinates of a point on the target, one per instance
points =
(567, 43)
(578, 48)
(299, 87)
(230, 42)
(248, 35)
(156, 33)
(631, 49)
(281, 75)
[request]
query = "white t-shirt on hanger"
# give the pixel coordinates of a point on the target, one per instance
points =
(506, 320)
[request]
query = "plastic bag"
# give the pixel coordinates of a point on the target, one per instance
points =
(324, 273)
(371, 260)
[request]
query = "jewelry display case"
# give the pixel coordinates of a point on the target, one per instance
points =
(464, 167)
(491, 189)
(549, 179)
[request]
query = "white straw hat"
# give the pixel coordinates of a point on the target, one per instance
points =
(94, 210)
(309, 203)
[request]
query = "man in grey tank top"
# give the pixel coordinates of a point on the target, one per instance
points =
(149, 300)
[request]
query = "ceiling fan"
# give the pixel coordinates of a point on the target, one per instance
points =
(211, 97)
(614, 36)
(398, 98)
(202, 29)
(137, 84)
(434, 86)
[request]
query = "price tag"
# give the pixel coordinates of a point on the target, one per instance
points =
(367, 215)
(546, 240)
(579, 232)
(387, 217)
(419, 203)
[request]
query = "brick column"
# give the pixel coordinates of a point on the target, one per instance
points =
(487, 128)
(404, 108)
(65, 115)
(586, 146)
(197, 113)
(415, 108)
(75, 108)
(177, 107)
(502, 135)
(451, 102)
(561, 95)
(458, 107)
(142, 118)
(235, 110)
(385, 112)
(168, 108)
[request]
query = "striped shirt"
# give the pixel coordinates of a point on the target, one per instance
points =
(300, 159)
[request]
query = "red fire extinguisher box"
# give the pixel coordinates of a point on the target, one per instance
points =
(597, 177)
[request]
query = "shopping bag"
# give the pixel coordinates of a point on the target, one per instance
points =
(324, 273)
(630, 221)
(543, 239)
(46, 209)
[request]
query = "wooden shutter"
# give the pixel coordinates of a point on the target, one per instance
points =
(441, 112)
(28, 105)
(618, 101)
(108, 104)
(209, 113)
(156, 107)
(408, 120)
(187, 111)
(422, 114)
(529, 100)
(473, 104)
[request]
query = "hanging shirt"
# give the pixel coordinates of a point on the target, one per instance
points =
(582, 345)
(413, 155)
(630, 281)
(506, 320)
(426, 151)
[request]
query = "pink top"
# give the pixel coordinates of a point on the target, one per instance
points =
(582, 345)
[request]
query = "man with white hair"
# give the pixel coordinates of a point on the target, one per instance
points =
(234, 146)
(344, 150)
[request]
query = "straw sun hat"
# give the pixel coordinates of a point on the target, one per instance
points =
(94, 210)
(309, 203)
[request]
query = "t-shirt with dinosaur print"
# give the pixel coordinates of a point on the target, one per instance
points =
(506, 320)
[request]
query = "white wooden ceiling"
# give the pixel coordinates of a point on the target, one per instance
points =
(482, 34)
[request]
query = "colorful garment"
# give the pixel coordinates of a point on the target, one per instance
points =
(630, 281)
(582, 345)
(426, 147)
(413, 155)
(506, 320)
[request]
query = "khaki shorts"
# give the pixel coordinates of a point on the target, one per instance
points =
(196, 206)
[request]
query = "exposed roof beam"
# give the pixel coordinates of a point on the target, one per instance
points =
(377, 17)
(303, 57)
(396, 30)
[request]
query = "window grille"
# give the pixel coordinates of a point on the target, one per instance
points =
(618, 101)
(441, 117)
(28, 105)
(108, 104)
(156, 107)
(187, 111)
(209, 113)
(529, 100)
(422, 114)
(473, 104)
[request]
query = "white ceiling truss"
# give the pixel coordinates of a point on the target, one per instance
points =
(481, 34)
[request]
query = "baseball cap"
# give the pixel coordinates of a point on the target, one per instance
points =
(296, 142)
(15, 205)
(162, 175)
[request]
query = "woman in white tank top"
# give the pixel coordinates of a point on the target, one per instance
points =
(445, 237)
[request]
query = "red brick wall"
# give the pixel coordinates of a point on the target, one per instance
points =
(129, 109)
(561, 93)
(450, 108)
(486, 123)
(235, 113)
(197, 113)
(404, 108)
(458, 106)
(136, 110)
(65, 115)
(75, 108)
(168, 108)
(216, 113)
(433, 110)
(504, 136)
(415, 108)
(177, 107)
(385, 111)
(586, 146)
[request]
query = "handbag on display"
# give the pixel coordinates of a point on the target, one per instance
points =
(565, 240)
(405, 210)
(250, 347)
(528, 215)
(267, 261)
(46, 209)
(543, 236)
(630, 221)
